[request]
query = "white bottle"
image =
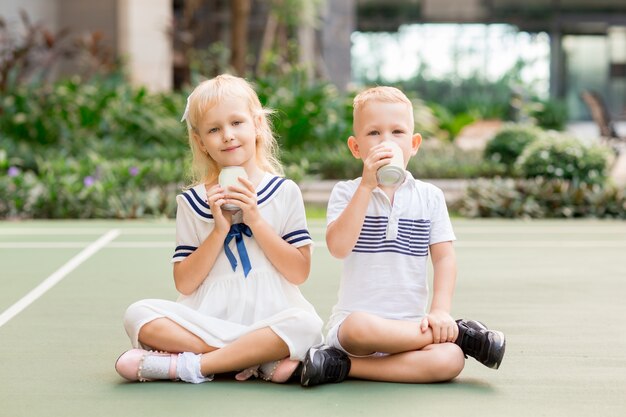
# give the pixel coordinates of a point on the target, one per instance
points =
(392, 173)
(228, 176)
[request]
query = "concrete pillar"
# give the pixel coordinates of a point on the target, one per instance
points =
(556, 64)
(144, 42)
(339, 21)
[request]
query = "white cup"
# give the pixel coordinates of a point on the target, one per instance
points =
(392, 173)
(229, 176)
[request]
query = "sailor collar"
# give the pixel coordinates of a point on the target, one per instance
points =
(196, 197)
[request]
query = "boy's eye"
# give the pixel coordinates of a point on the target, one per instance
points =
(373, 133)
(398, 132)
(237, 123)
(213, 130)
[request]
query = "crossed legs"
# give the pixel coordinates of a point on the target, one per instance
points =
(256, 347)
(412, 355)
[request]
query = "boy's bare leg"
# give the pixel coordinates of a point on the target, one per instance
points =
(259, 346)
(364, 333)
(413, 356)
(165, 334)
(434, 363)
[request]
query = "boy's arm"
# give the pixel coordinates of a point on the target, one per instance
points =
(343, 233)
(444, 281)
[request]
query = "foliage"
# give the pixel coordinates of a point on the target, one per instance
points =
(509, 143)
(90, 187)
(559, 156)
(542, 198)
(550, 114)
(306, 116)
(441, 159)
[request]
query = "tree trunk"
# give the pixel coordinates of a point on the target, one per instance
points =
(239, 35)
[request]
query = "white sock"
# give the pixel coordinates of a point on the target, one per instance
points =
(155, 366)
(188, 368)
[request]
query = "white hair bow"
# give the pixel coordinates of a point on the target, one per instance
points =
(186, 113)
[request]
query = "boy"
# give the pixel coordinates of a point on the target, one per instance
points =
(379, 329)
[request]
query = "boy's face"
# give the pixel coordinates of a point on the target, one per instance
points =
(378, 122)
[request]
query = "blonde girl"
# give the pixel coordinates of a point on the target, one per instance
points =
(237, 272)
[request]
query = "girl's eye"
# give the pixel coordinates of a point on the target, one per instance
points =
(373, 133)
(213, 130)
(237, 123)
(398, 132)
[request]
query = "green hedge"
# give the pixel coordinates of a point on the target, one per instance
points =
(101, 148)
(542, 198)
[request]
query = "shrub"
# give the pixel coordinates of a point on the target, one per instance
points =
(550, 114)
(509, 143)
(559, 156)
(541, 198)
(306, 115)
(442, 159)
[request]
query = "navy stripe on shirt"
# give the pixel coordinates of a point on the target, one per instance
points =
(412, 238)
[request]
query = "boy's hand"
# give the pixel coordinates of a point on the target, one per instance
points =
(377, 157)
(443, 325)
(215, 198)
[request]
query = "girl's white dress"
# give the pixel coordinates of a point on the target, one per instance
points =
(229, 304)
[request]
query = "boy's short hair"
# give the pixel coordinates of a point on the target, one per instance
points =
(383, 94)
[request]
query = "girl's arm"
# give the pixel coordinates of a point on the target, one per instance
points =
(293, 263)
(191, 272)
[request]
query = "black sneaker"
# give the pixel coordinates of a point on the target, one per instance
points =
(324, 364)
(476, 340)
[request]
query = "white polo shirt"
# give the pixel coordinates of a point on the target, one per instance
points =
(386, 272)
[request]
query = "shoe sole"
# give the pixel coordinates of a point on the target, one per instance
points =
(305, 378)
(500, 348)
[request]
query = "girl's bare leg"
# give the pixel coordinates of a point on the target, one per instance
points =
(259, 346)
(164, 334)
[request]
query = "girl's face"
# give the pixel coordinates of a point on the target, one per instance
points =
(228, 133)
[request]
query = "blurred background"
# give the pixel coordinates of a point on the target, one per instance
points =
(522, 104)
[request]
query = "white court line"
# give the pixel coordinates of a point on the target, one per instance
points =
(74, 245)
(542, 244)
(83, 231)
(321, 243)
(570, 230)
(57, 276)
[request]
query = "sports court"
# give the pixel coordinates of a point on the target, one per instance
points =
(556, 288)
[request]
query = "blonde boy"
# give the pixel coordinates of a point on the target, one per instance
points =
(379, 329)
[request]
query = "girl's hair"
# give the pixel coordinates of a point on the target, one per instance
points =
(202, 99)
(383, 94)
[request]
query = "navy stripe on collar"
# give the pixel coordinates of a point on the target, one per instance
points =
(193, 198)
(203, 210)
(264, 195)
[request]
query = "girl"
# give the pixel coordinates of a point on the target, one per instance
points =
(237, 271)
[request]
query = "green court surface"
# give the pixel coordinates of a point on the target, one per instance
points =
(556, 288)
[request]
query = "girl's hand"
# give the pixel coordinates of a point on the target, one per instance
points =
(443, 325)
(377, 157)
(216, 198)
(244, 197)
